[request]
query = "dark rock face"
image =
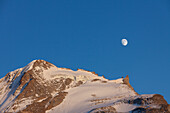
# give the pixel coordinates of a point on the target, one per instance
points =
(139, 101)
(139, 110)
(30, 86)
(151, 110)
(156, 100)
(56, 100)
(36, 107)
(42, 63)
(48, 103)
(39, 91)
(108, 109)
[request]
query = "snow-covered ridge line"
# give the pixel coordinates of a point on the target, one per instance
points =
(31, 64)
(51, 72)
(55, 72)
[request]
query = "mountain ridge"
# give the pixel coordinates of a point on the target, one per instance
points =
(42, 87)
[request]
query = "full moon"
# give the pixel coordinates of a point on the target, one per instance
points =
(124, 42)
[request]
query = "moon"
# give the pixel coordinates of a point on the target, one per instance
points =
(124, 42)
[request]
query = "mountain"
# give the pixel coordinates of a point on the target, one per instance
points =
(41, 87)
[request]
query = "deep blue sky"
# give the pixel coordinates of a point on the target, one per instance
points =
(87, 34)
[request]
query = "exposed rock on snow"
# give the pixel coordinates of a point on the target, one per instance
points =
(126, 81)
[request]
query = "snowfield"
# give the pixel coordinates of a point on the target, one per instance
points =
(93, 95)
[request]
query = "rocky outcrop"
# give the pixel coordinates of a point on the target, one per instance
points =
(162, 109)
(126, 81)
(156, 99)
(108, 109)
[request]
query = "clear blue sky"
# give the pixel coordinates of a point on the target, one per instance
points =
(87, 34)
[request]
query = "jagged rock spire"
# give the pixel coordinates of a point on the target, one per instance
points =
(126, 81)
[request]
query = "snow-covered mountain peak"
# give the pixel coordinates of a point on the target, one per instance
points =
(44, 70)
(41, 87)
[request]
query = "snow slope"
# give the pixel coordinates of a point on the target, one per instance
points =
(92, 95)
